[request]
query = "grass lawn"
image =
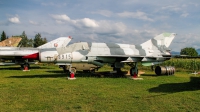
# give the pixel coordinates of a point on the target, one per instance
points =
(46, 88)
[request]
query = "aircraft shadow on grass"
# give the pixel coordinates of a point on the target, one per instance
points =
(89, 74)
(55, 71)
(19, 68)
(193, 85)
(57, 74)
(151, 75)
(40, 76)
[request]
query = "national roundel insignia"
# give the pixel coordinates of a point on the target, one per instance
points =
(55, 45)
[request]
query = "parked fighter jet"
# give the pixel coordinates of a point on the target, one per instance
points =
(23, 57)
(51, 56)
(153, 51)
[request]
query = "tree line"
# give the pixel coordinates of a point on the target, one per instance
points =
(26, 42)
(189, 51)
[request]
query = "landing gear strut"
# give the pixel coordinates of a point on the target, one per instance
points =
(72, 73)
(134, 69)
(68, 70)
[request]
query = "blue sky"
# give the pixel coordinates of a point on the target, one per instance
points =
(119, 21)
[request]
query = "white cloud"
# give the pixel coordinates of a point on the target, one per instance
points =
(194, 4)
(60, 22)
(33, 22)
(53, 4)
(86, 22)
(105, 13)
(184, 14)
(61, 17)
(109, 27)
(172, 8)
(14, 20)
(123, 22)
(137, 15)
(185, 40)
(103, 30)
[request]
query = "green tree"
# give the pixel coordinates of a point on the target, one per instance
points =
(24, 41)
(44, 40)
(3, 36)
(30, 43)
(190, 51)
(38, 40)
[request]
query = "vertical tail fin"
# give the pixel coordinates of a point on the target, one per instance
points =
(11, 42)
(59, 42)
(162, 40)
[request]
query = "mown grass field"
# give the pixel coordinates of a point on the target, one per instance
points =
(46, 88)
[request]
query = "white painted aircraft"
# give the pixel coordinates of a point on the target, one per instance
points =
(23, 57)
(151, 52)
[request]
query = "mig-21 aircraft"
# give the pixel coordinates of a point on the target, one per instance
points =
(151, 52)
(23, 57)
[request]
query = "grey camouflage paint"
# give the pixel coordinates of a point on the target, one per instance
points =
(151, 52)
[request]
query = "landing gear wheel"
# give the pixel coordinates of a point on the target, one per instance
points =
(133, 70)
(25, 66)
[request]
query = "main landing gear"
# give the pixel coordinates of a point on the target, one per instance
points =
(134, 69)
(25, 66)
(69, 70)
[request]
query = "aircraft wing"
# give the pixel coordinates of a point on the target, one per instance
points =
(145, 60)
(16, 52)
